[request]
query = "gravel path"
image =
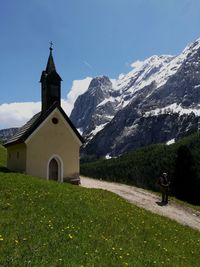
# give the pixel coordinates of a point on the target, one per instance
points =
(148, 201)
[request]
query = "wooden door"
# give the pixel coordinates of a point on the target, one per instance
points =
(53, 170)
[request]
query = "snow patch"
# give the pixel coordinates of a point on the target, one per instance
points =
(110, 117)
(170, 142)
(137, 64)
(98, 129)
(129, 129)
(110, 99)
(114, 83)
(80, 130)
(173, 108)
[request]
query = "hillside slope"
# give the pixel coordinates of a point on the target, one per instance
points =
(50, 224)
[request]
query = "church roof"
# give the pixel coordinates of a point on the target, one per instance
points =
(25, 131)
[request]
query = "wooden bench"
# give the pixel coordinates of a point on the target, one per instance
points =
(70, 180)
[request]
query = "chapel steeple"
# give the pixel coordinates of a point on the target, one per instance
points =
(50, 84)
(50, 63)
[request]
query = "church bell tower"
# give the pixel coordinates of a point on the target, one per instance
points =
(50, 84)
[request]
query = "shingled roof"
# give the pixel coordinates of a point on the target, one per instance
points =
(25, 131)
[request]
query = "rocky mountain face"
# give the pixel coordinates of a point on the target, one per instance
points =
(93, 110)
(158, 101)
(5, 134)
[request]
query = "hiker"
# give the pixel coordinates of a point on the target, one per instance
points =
(163, 182)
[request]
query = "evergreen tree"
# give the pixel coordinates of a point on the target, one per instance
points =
(185, 176)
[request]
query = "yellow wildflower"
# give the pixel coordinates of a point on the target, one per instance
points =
(70, 236)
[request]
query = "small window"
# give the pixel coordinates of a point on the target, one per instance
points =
(55, 120)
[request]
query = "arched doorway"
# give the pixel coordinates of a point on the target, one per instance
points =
(55, 169)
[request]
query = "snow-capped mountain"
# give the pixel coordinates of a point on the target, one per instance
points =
(96, 107)
(104, 97)
(159, 100)
(5, 134)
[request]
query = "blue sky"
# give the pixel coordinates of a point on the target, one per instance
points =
(91, 38)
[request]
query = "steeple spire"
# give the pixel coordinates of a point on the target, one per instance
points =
(50, 63)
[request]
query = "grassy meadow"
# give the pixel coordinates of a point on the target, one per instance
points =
(2, 157)
(45, 223)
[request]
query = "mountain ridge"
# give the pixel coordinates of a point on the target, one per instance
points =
(161, 92)
(5, 134)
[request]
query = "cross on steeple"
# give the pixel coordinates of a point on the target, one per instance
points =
(51, 45)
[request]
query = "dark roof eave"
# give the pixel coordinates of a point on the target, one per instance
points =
(14, 143)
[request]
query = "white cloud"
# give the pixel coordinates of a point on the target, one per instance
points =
(17, 114)
(78, 88)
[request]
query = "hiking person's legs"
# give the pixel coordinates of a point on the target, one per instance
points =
(166, 197)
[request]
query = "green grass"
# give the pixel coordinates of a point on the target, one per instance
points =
(2, 156)
(51, 224)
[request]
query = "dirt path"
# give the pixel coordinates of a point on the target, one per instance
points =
(148, 201)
